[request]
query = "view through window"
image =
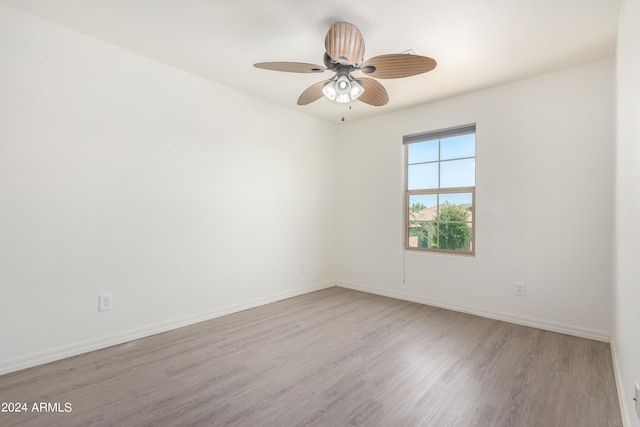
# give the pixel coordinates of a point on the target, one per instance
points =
(440, 190)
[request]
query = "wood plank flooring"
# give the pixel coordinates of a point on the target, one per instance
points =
(336, 357)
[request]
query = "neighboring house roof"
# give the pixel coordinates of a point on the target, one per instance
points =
(426, 214)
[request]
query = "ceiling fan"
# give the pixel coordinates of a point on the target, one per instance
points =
(344, 54)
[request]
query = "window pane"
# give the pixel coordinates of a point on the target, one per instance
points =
(455, 207)
(421, 152)
(461, 200)
(423, 207)
(454, 236)
(422, 234)
(458, 147)
(458, 173)
(422, 176)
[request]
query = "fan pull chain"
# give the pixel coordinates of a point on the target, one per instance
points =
(343, 112)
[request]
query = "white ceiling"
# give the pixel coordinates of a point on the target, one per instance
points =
(477, 43)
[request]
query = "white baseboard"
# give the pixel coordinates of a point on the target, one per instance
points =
(506, 317)
(619, 385)
(40, 358)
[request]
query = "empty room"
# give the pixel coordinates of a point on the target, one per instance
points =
(289, 213)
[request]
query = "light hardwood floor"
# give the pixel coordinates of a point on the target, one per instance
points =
(331, 358)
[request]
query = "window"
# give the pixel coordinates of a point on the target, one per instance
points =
(440, 190)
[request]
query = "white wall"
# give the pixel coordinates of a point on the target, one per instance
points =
(544, 180)
(626, 303)
(183, 198)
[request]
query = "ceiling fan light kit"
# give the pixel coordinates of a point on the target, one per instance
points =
(344, 88)
(344, 55)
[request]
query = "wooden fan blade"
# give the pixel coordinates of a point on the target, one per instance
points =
(396, 65)
(312, 93)
(374, 93)
(290, 67)
(344, 43)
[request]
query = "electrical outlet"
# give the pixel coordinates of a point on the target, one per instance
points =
(520, 289)
(303, 268)
(105, 302)
(637, 398)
